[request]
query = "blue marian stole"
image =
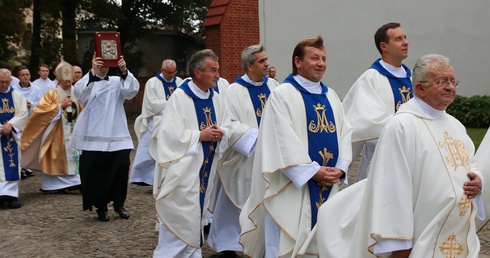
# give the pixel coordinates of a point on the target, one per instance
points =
(205, 117)
(258, 95)
(169, 87)
(401, 87)
(9, 145)
(323, 146)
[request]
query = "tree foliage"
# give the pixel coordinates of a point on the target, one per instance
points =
(13, 27)
(134, 19)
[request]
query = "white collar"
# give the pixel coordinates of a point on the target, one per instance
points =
(247, 79)
(310, 86)
(396, 71)
(198, 92)
(434, 113)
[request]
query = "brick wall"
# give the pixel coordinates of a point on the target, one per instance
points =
(238, 28)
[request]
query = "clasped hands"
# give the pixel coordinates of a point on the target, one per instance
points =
(211, 134)
(6, 129)
(328, 176)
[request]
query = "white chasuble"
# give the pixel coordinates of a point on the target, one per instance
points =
(414, 191)
(235, 170)
(177, 185)
(282, 144)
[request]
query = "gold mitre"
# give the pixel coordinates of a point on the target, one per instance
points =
(64, 71)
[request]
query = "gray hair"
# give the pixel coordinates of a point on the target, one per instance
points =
(422, 66)
(248, 55)
(168, 62)
(198, 60)
(5, 71)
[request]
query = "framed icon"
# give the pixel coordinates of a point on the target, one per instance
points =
(108, 46)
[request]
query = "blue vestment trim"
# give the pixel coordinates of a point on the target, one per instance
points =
(10, 152)
(169, 87)
(401, 87)
(205, 117)
(258, 95)
(323, 146)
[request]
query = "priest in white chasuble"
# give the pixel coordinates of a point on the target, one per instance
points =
(246, 99)
(13, 116)
(422, 193)
(194, 130)
(158, 90)
(47, 133)
(303, 153)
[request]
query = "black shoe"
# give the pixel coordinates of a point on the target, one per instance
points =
(25, 173)
(14, 204)
(102, 215)
(123, 214)
(58, 191)
(141, 184)
(228, 254)
(74, 188)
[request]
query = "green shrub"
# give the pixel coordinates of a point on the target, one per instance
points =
(472, 112)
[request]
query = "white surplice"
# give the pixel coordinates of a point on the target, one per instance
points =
(31, 93)
(102, 125)
(413, 196)
(283, 144)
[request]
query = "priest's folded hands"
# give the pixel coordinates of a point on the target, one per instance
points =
(211, 134)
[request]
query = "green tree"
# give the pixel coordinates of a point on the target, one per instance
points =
(13, 28)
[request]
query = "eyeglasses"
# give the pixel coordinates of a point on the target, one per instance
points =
(5, 82)
(442, 83)
(170, 72)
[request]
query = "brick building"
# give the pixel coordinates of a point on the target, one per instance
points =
(231, 26)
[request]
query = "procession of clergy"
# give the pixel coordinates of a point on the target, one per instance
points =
(260, 161)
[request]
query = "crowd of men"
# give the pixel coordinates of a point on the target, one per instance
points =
(262, 161)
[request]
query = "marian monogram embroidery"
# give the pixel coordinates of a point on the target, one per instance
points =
(170, 90)
(322, 123)
(451, 248)
(209, 119)
(6, 108)
(405, 93)
(455, 151)
(263, 99)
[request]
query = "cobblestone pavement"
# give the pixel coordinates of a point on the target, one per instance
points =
(54, 225)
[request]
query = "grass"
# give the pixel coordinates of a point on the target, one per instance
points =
(476, 134)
